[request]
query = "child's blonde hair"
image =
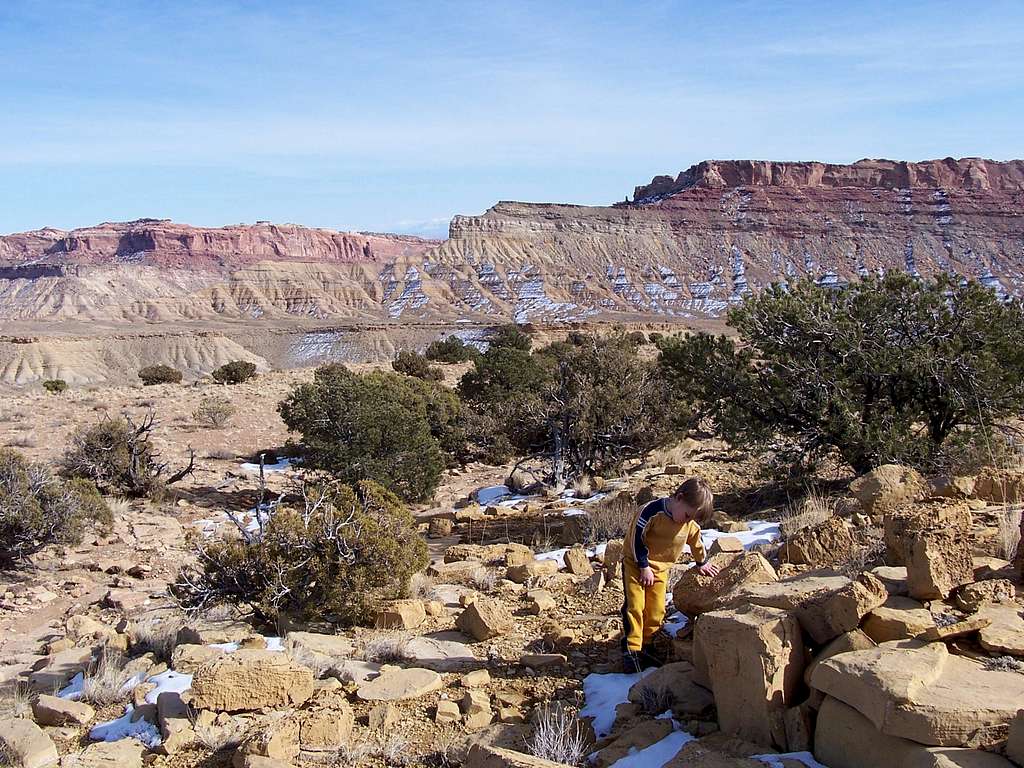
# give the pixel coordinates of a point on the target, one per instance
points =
(696, 493)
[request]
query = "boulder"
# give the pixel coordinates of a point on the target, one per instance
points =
(1001, 486)
(854, 640)
(612, 557)
(486, 553)
(325, 649)
(248, 680)
(534, 569)
(209, 631)
(924, 693)
(439, 527)
(84, 627)
(898, 618)
(476, 709)
(1005, 631)
(26, 743)
(478, 678)
(486, 756)
(577, 562)
(887, 486)
(540, 601)
(674, 686)
(844, 738)
(696, 593)
(729, 544)
(972, 597)
(819, 545)
(755, 659)
(187, 657)
(484, 619)
(398, 684)
(894, 577)
(938, 561)
(57, 669)
(829, 614)
(126, 753)
(172, 717)
(952, 486)
(453, 572)
(326, 728)
(401, 614)
(903, 525)
(52, 710)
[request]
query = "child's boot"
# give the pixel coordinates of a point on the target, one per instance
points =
(649, 657)
(631, 662)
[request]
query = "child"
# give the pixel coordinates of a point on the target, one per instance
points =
(652, 545)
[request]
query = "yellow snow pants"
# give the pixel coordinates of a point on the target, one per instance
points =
(643, 608)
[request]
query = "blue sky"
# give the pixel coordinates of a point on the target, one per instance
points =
(393, 116)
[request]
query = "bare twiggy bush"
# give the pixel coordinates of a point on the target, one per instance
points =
(384, 649)
(655, 700)
(421, 586)
(156, 636)
(811, 510)
(1004, 664)
(610, 517)
(1009, 531)
(558, 736)
(224, 454)
(484, 579)
(214, 412)
(391, 749)
(107, 683)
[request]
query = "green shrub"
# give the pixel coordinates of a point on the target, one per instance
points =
(159, 374)
(451, 350)
(415, 365)
(55, 386)
(886, 370)
(586, 404)
(38, 508)
(117, 455)
(375, 426)
(338, 557)
(510, 336)
(214, 412)
(235, 372)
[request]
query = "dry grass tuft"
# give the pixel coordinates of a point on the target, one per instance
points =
(16, 699)
(610, 517)
(421, 586)
(484, 579)
(107, 683)
(558, 736)
(156, 636)
(385, 649)
(1009, 531)
(811, 510)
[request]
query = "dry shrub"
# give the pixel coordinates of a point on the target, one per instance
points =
(813, 509)
(558, 736)
(610, 517)
(1009, 531)
(223, 454)
(156, 636)
(385, 649)
(37, 508)
(484, 579)
(23, 441)
(421, 586)
(582, 487)
(214, 412)
(108, 682)
(336, 556)
(16, 699)
(391, 748)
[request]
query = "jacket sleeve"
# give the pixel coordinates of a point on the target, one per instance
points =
(696, 545)
(640, 549)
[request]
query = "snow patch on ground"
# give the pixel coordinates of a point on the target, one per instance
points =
(279, 466)
(124, 728)
(169, 682)
(802, 757)
(656, 755)
(761, 532)
(603, 693)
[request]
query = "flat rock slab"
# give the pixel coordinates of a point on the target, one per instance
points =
(26, 743)
(397, 684)
(924, 694)
(1005, 633)
(440, 654)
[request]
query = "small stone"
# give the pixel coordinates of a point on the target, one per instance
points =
(577, 562)
(542, 660)
(484, 619)
(447, 712)
(397, 684)
(540, 601)
(952, 631)
(478, 678)
(384, 717)
(401, 614)
(725, 544)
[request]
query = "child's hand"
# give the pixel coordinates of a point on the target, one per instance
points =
(647, 577)
(709, 570)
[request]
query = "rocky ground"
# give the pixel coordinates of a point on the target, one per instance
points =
(879, 625)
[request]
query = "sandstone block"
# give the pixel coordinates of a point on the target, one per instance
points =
(829, 614)
(577, 562)
(640, 736)
(898, 618)
(248, 680)
(887, 486)
(447, 712)
(478, 678)
(844, 738)
(674, 686)
(1002, 486)
(326, 728)
(972, 597)
(487, 756)
(1005, 631)
(729, 544)
(26, 743)
(1015, 740)
(52, 710)
(924, 694)
(854, 640)
(484, 619)
(531, 570)
(819, 545)
(172, 717)
(397, 684)
(540, 601)
(440, 527)
(902, 525)
(187, 658)
(755, 660)
(696, 593)
(938, 561)
(401, 614)
(278, 740)
(126, 753)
